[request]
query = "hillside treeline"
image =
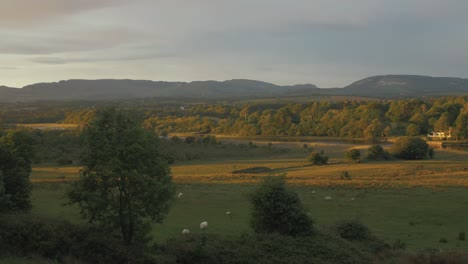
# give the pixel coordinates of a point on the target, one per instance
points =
(354, 119)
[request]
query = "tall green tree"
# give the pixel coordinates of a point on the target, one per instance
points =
(276, 209)
(15, 167)
(126, 183)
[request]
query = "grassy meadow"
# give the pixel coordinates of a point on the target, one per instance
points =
(417, 202)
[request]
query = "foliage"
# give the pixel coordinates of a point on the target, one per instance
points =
(352, 230)
(345, 175)
(343, 118)
(317, 158)
(410, 148)
(435, 258)
(462, 236)
(276, 209)
(264, 249)
(15, 167)
(376, 152)
(22, 235)
(353, 154)
(126, 183)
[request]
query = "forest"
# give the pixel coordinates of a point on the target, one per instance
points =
(345, 118)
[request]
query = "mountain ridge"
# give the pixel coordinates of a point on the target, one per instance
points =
(383, 86)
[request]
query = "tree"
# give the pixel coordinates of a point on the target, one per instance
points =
(413, 130)
(353, 154)
(15, 167)
(276, 209)
(410, 148)
(376, 152)
(317, 158)
(126, 182)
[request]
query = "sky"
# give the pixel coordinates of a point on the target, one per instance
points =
(329, 43)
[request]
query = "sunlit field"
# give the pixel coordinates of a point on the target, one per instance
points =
(448, 168)
(417, 202)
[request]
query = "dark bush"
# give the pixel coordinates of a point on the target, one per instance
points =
(352, 230)
(278, 210)
(345, 175)
(317, 158)
(20, 235)
(190, 140)
(436, 258)
(353, 154)
(376, 152)
(263, 249)
(410, 148)
(64, 161)
(461, 236)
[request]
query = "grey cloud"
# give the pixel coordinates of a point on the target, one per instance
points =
(7, 68)
(129, 57)
(27, 13)
(78, 41)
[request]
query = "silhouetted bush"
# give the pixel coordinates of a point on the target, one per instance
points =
(352, 230)
(376, 152)
(353, 154)
(276, 209)
(410, 148)
(317, 158)
(21, 235)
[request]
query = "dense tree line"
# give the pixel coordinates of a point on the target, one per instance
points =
(355, 119)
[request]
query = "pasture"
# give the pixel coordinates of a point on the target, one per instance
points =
(417, 202)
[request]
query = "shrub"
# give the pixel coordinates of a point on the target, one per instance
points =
(443, 240)
(399, 245)
(461, 236)
(352, 230)
(190, 140)
(21, 235)
(64, 161)
(410, 148)
(376, 152)
(317, 158)
(263, 249)
(276, 209)
(345, 175)
(353, 154)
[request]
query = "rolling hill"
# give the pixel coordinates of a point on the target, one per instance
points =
(109, 89)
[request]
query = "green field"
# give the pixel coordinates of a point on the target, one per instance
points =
(417, 216)
(396, 199)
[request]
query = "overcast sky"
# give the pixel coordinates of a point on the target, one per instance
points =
(329, 43)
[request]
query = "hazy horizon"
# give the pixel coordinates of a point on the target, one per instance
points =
(328, 43)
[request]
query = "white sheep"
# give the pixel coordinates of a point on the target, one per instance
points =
(203, 225)
(328, 197)
(185, 232)
(179, 195)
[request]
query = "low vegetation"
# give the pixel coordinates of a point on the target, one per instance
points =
(294, 218)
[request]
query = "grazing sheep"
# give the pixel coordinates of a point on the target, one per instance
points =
(185, 232)
(203, 225)
(328, 197)
(179, 195)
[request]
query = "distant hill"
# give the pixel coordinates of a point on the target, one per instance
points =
(407, 85)
(109, 89)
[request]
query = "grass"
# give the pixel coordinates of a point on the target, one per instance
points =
(396, 199)
(417, 216)
(47, 126)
